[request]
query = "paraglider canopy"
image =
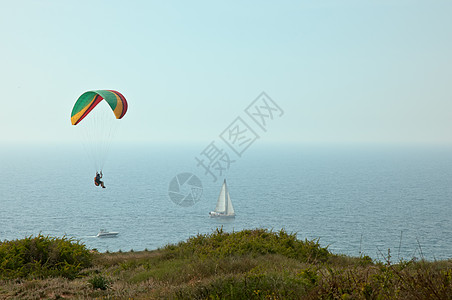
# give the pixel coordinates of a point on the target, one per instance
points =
(87, 101)
(95, 122)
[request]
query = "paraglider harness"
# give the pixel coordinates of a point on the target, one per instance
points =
(97, 178)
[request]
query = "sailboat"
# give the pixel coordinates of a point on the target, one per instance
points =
(224, 208)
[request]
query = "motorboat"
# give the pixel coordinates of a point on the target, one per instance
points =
(104, 233)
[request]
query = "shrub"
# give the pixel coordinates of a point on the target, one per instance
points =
(99, 282)
(255, 242)
(43, 256)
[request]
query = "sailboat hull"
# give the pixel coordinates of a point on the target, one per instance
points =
(214, 214)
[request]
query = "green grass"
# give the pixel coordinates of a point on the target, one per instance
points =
(250, 264)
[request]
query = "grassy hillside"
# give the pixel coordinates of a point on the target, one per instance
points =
(250, 264)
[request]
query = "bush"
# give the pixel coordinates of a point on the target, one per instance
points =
(99, 282)
(255, 242)
(43, 256)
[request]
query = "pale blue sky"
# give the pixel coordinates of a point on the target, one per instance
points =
(342, 71)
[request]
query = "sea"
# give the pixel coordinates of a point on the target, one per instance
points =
(384, 201)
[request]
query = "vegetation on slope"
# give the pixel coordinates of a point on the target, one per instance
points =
(42, 256)
(250, 264)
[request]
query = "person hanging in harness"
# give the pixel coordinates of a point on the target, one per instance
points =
(97, 180)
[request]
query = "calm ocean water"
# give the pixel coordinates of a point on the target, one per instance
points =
(354, 199)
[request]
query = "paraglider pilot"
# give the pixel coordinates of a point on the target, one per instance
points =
(97, 180)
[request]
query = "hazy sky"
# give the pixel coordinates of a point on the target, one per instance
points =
(342, 71)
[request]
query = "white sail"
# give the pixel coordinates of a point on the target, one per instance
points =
(230, 208)
(221, 203)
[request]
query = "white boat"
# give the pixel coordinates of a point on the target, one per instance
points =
(104, 233)
(224, 208)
